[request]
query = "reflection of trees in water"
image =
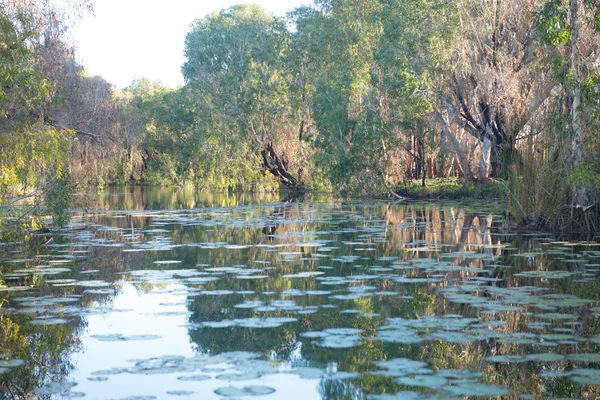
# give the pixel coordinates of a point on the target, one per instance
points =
(267, 341)
(404, 228)
(168, 198)
(337, 389)
(282, 212)
(46, 351)
(462, 230)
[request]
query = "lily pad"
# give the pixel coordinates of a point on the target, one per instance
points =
(231, 391)
(117, 337)
(194, 378)
(422, 380)
(476, 389)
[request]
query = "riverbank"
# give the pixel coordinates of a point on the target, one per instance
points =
(453, 189)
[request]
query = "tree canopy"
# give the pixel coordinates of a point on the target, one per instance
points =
(355, 97)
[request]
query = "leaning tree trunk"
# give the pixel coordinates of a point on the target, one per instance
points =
(279, 168)
(462, 159)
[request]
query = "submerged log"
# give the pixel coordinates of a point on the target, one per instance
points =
(278, 167)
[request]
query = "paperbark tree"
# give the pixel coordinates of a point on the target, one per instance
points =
(500, 77)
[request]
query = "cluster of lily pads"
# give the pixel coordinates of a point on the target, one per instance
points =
(344, 259)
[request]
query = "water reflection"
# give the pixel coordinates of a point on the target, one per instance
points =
(160, 292)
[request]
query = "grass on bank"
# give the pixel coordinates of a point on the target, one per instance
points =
(452, 189)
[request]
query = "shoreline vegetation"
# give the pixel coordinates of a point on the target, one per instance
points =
(402, 99)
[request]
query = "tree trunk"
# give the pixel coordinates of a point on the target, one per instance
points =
(449, 170)
(301, 151)
(130, 153)
(484, 160)
(302, 159)
(498, 161)
(421, 166)
(423, 171)
(580, 194)
(462, 159)
(279, 168)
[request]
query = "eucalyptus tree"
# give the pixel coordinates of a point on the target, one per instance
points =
(499, 77)
(377, 93)
(411, 57)
(353, 146)
(236, 68)
(167, 120)
(304, 66)
(471, 66)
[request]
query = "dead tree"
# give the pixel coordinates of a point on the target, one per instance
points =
(278, 167)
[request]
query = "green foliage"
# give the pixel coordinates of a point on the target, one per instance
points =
(237, 80)
(23, 89)
(33, 155)
(586, 174)
(375, 91)
(235, 63)
(591, 97)
(120, 173)
(161, 171)
(167, 117)
(452, 189)
(552, 23)
(344, 35)
(25, 145)
(58, 195)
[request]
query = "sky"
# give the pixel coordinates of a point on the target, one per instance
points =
(125, 39)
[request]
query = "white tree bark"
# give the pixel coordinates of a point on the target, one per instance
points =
(462, 159)
(485, 159)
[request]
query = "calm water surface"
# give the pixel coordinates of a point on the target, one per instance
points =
(173, 294)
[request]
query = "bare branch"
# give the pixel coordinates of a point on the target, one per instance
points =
(79, 131)
(16, 200)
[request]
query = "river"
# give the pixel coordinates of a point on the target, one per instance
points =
(175, 293)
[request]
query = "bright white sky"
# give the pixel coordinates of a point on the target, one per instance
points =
(129, 38)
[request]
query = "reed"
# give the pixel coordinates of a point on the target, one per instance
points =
(539, 189)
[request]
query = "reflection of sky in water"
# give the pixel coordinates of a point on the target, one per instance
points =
(134, 315)
(313, 300)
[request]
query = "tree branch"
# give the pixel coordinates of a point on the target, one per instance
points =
(79, 131)
(20, 198)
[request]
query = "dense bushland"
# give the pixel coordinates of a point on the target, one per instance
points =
(359, 97)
